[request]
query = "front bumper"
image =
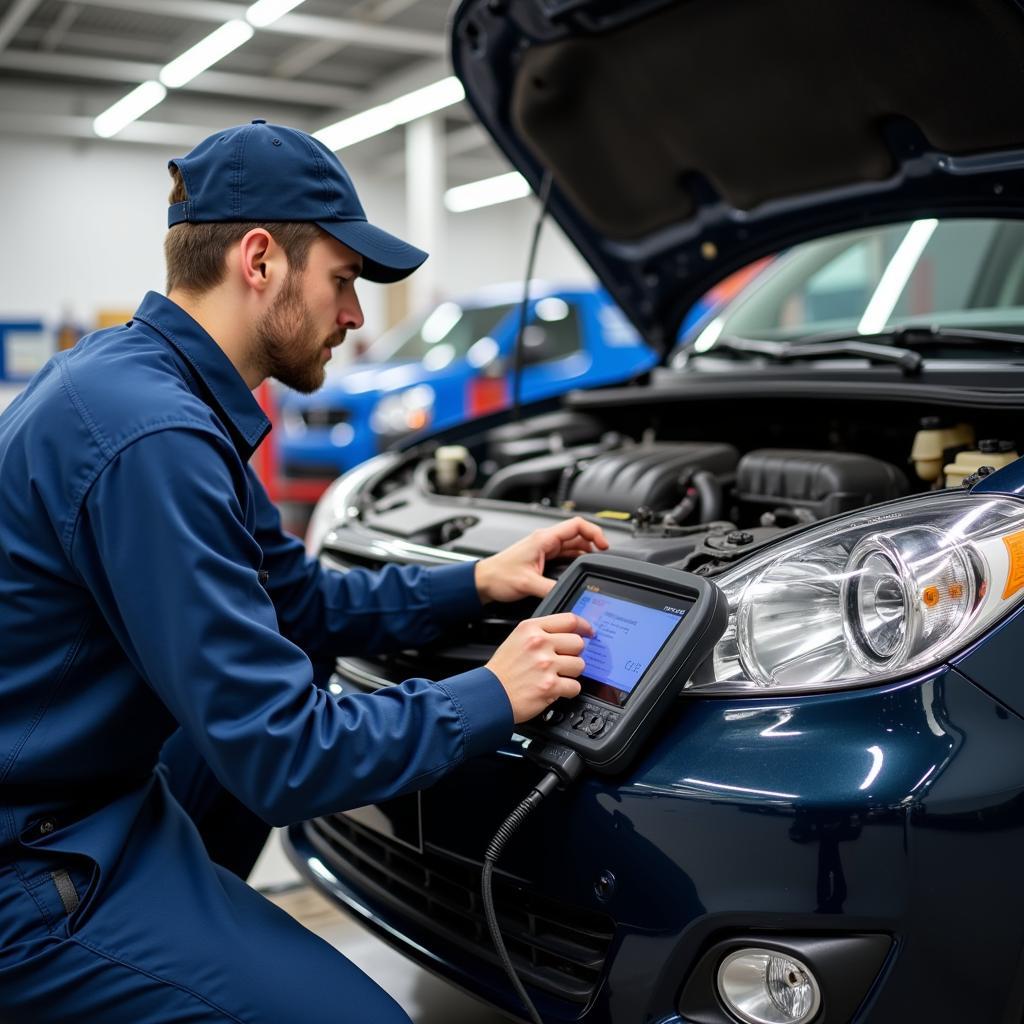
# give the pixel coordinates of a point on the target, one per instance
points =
(894, 814)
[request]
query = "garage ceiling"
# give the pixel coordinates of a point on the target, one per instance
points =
(62, 62)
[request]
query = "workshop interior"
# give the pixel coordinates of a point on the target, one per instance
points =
(740, 284)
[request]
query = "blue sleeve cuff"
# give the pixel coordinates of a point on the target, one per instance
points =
(483, 707)
(453, 593)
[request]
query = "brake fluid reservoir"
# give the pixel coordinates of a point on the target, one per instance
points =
(931, 441)
(992, 453)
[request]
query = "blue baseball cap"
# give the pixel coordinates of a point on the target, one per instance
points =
(266, 172)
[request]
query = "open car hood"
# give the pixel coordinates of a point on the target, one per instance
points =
(686, 138)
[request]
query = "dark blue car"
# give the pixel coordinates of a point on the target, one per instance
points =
(453, 364)
(828, 826)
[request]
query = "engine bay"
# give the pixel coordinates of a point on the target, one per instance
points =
(696, 502)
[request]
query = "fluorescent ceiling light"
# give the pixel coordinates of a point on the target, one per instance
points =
(895, 277)
(421, 102)
(486, 192)
(206, 52)
(128, 109)
(378, 120)
(266, 12)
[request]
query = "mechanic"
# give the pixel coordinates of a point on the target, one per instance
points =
(159, 630)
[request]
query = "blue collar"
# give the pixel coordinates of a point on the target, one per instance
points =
(225, 389)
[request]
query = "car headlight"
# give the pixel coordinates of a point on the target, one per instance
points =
(870, 596)
(409, 410)
(338, 503)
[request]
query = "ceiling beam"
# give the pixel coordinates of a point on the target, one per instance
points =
(165, 133)
(383, 10)
(65, 126)
(95, 44)
(58, 30)
(301, 58)
(221, 83)
(193, 10)
(314, 94)
(15, 17)
(384, 37)
(310, 26)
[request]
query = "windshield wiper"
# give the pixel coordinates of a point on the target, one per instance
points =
(844, 345)
(899, 345)
(925, 336)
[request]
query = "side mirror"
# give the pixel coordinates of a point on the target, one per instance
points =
(497, 367)
(535, 344)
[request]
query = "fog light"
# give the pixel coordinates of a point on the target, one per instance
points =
(764, 986)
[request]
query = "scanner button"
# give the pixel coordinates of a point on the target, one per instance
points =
(579, 720)
(551, 715)
(594, 726)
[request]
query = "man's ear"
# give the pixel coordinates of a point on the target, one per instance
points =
(260, 257)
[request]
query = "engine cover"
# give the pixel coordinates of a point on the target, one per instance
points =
(823, 483)
(649, 474)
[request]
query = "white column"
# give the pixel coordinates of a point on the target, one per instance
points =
(424, 190)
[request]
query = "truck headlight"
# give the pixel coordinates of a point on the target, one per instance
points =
(407, 411)
(870, 596)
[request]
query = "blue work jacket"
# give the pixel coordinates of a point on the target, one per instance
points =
(146, 584)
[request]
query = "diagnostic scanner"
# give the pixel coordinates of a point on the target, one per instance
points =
(653, 625)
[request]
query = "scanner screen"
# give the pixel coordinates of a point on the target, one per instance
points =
(631, 626)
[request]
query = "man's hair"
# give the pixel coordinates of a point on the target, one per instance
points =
(195, 252)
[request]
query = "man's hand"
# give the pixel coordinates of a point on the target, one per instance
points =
(518, 571)
(539, 662)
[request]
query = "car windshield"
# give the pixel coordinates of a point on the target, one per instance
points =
(966, 274)
(448, 332)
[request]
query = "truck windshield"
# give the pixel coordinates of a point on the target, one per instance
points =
(448, 332)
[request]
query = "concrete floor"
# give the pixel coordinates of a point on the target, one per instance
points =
(426, 999)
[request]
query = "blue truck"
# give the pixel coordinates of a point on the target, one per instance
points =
(453, 364)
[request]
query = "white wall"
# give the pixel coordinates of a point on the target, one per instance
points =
(492, 244)
(83, 226)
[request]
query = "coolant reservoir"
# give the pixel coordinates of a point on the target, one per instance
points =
(454, 468)
(988, 453)
(931, 441)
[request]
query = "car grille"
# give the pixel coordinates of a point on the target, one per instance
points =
(317, 416)
(555, 946)
(325, 471)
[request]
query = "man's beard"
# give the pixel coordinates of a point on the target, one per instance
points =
(289, 348)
